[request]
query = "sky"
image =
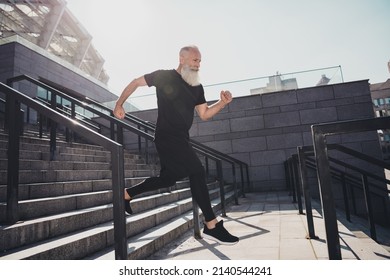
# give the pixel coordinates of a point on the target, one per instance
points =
(239, 39)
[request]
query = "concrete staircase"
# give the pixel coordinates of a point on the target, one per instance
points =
(66, 210)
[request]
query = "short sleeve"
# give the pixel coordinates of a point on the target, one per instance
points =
(151, 78)
(201, 98)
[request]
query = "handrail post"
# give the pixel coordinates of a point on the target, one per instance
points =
(367, 198)
(146, 149)
(21, 121)
(73, 116)
(306, 194)
(195, 210)
(112, 128)
(234, 183)
(328, 205)
(118, 185)
(291, 178)
(296, 182)
(247, 178)
(221, 187)
(13, 159)
(287, 175)
(40, 125)
(345, 195)
(242, 180)
(207, 168)
(119, 134)
(53, 128)
(139, 141)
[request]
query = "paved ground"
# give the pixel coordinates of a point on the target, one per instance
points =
(270, 228)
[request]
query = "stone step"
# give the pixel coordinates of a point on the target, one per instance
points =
(92, 241)
(28, 164)
(146, 243)
(37, 155)
(35, 140)
(53, 189)
(40, 165)
(52, 205)
(40, 207)
(40, 176)
(26, 147)
(69, 220)
(38, 144)
(65, 205)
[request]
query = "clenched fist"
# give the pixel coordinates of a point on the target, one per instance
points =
(119, 112)
(226, 97)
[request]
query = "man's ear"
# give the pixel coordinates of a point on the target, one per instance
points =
(181, 60)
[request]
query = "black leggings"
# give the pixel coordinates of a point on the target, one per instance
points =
(178, 160)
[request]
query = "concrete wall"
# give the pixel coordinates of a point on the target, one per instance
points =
(264, 130)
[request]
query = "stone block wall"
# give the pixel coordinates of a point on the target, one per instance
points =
(264, 130)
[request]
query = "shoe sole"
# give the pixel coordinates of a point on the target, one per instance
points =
(212, 238)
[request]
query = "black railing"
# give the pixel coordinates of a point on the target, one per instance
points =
(297, 168)
(116, 126)
(14, 99)
(144, 130)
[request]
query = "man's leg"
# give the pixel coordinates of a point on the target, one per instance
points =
(149, 184)
(201, 195)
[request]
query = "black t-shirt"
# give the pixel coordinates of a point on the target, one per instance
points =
(176, 101)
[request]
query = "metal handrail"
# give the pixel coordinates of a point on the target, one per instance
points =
(113, 121)
(65, 111)
(14, 98)
(319, 133)
(146, 125)
(296, 167)
(345, 178)
(208, 153)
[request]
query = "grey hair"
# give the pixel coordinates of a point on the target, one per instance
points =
(188, 48)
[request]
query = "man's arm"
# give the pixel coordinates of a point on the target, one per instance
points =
(119, 112)
(206, 112)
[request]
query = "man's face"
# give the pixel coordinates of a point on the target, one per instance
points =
(192, 59)
(190, 64)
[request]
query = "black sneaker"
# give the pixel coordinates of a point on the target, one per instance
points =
(128, 209)
(219, 234)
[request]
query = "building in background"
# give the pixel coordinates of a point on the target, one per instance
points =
(51, 26)
(42, 39)
(276, 83)
(380, 94)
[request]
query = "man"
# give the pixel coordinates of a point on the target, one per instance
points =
(179, 92)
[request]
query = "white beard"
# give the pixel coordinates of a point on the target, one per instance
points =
(189, 75)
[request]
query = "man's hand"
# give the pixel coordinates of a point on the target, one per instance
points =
(226, 97)
(119, 112)
(206, 112)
